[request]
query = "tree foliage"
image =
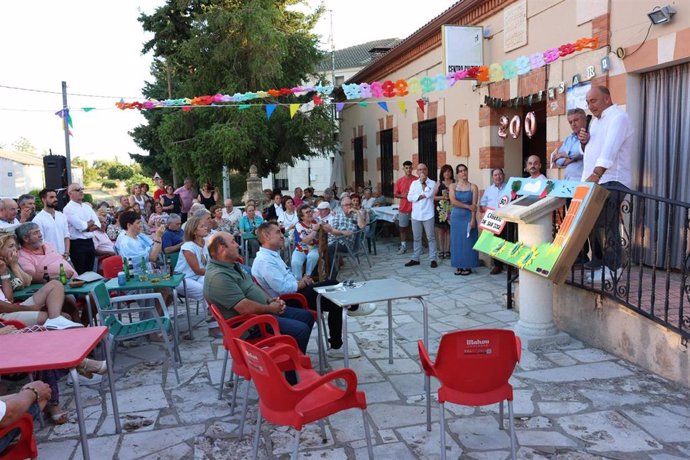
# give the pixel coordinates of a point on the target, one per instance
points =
(228, 46)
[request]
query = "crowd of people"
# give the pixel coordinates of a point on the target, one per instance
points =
(284, 239)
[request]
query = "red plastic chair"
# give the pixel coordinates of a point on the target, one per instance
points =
(235, 328)
(320, 322)
(474, 367)
(26, 446)
(112, 266)
(314, 398)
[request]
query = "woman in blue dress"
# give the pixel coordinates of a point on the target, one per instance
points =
(463, 225)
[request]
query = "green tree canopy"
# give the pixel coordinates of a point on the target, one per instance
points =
(228, 46)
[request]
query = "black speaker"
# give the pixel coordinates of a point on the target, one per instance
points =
(55, 168)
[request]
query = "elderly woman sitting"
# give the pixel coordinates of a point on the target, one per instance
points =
(139, 248)
(306, 242)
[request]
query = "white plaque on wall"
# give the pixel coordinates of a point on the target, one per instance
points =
(515, 26)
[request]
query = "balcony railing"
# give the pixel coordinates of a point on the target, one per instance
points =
(654, 260)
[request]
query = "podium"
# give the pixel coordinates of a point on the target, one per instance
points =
(541, 258)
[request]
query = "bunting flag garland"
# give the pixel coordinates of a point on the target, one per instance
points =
(244, 106)
(495, 72)
(403, 106)
(363, 103)
(339, 106)
(420, 104)
(293, 110)
(383, 105)
(61, 114)
(269, 110)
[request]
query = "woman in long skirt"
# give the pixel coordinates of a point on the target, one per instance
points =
(463, 225)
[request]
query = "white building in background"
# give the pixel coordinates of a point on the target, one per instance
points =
(22, 172)
(317, 171)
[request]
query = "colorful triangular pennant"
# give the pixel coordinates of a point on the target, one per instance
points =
(293, 109)
(383, 105)
(269, 110)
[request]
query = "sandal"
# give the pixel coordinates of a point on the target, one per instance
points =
(88, 367)
(56, 415)
(459, 272)
(465, 272)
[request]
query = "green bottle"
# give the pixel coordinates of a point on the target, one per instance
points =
(63, 275)
(125, 267)
(144, 273)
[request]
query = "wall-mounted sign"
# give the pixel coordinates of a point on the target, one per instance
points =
(590, 72)
(515, 26)
(575, 97)
(576, 79)
(462, 47)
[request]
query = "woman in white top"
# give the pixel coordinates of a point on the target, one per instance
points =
(192, 262)
(289, 219)
(138, 198)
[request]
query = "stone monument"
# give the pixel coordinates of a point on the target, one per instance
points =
(254, 191)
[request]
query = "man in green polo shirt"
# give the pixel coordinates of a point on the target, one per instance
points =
(232, 290)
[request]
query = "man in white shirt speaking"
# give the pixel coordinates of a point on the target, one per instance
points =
(421, 195)
(607, 162)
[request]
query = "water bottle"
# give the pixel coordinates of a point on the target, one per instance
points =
(121, 279)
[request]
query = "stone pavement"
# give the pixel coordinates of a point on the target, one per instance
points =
(571, 402)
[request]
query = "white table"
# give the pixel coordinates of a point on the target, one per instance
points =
(381, 290)
(387, 213)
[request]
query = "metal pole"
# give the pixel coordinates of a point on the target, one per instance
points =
(65, 125)
(226, 182)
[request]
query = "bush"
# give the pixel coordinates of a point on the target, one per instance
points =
(138, 179)
(39, 203)
(120, 171)
(109, 184)
(88, 198)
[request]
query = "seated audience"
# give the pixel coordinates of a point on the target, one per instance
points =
(248, 226)
(231, 214)
(101, 241)
(192, 262)
(35, 256)
(306, 242)
(341, 227)
(27, 208)
(44, 307)
(274, 210)
(232, 290)
(158, 217)
(324, 215)
(276, 279)
(131, 243)
(379, 199)
(8, 213)
(31, 399)
(174, 235)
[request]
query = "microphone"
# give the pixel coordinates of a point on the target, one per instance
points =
(589, 120)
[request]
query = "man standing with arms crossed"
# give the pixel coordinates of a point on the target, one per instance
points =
(607, 163)
(81, 222)
(53, 223)
(421, 195)
(402, 186)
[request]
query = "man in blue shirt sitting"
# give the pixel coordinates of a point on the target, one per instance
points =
(275, 277)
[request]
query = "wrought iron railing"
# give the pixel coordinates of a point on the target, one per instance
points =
(653, 261)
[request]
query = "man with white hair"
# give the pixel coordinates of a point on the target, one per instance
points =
(324, 216)
(8, 213)
(231, 214)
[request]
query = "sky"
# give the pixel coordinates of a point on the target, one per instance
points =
(96, 48)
